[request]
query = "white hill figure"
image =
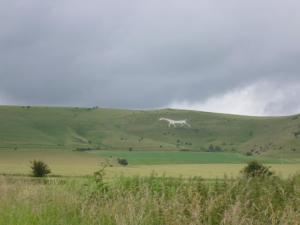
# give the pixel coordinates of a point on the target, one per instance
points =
(181, 123)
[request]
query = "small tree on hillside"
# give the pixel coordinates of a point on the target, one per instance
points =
(39, 168)
(211, 148)
(256, 169)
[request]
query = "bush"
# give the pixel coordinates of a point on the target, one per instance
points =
(256, 169)
(212, 148)
(123, 162)
(218, 149)
(249, 153)
(39, 168)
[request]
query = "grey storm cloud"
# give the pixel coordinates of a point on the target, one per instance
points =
(151, 54)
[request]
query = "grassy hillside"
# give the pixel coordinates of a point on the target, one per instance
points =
(49, 128)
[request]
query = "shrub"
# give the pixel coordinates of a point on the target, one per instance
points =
(218, 149)
(249, 153)
(39, 168)
(297, 134)
(84, 149)
(123, 162)
(212, 148)
(99, 178)
(256, 169)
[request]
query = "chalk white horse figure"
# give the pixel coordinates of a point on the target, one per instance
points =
(171, 122)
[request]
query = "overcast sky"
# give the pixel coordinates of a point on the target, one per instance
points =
(233, 56)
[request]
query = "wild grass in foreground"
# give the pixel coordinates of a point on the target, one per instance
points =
(149, 200)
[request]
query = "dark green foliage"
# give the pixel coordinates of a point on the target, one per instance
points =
(98, 180)
(218, 149)
(123, 162)
(297, 134)
(39, 168)
(256, 169)
(249, 153)
(84, 149)
(141, 139)
(212, 148)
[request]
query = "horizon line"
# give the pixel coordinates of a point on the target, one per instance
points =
(143, 109)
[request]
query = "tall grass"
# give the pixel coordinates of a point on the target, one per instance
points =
(150, 200)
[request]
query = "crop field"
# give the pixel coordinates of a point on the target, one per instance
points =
(63, 163)
(206, 171)
(186, 164)
(182, 157)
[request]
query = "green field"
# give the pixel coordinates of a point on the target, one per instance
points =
(182, 157)
(186, 164)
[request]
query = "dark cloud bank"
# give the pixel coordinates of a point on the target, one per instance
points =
(226, 56)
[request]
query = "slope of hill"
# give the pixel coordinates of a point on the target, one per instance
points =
(112, 129)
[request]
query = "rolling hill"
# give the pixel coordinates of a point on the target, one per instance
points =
(82, 129)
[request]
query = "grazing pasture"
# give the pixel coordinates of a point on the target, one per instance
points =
(83, 129)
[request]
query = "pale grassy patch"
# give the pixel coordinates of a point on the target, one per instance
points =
(206, 171)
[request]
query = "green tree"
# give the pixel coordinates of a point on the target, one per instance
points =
(39, 168)
(211, 148)
(256, 169)
(123, 162)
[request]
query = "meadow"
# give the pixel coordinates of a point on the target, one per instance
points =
(150, 200)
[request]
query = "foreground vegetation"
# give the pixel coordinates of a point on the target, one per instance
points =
(149, 200)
